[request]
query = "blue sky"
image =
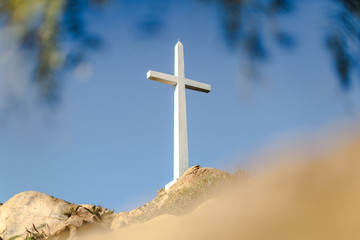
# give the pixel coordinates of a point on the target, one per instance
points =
(110, 142)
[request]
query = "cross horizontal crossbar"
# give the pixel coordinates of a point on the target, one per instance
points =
(173, 80)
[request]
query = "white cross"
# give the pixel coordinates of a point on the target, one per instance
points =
(181, 158)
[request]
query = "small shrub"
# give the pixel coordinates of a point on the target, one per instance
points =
(72, 211)
(14, 237)
(35, 234)
(241, 174)
(104, 215)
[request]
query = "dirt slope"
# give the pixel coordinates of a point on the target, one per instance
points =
(195, 186)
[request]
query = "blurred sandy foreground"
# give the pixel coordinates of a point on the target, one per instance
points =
(315, 197)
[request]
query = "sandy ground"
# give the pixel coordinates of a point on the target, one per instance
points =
(317, 196)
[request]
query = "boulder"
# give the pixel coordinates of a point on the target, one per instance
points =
(30, 208)
(36, 213)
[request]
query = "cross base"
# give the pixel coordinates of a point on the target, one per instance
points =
(167, 186)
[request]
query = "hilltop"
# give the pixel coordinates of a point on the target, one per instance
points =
(34, 215)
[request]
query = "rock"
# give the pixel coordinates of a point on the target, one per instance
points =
(31, 208)
(38, 213)
(195, 186)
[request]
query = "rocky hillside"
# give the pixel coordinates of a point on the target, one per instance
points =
(33, 215)
(195, 186)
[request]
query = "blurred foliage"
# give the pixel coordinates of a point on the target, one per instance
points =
(54, 33)
(245, 23)
(343, 39)
(249, 24)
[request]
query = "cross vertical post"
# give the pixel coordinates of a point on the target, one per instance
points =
(181, 155)
(178, 80)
